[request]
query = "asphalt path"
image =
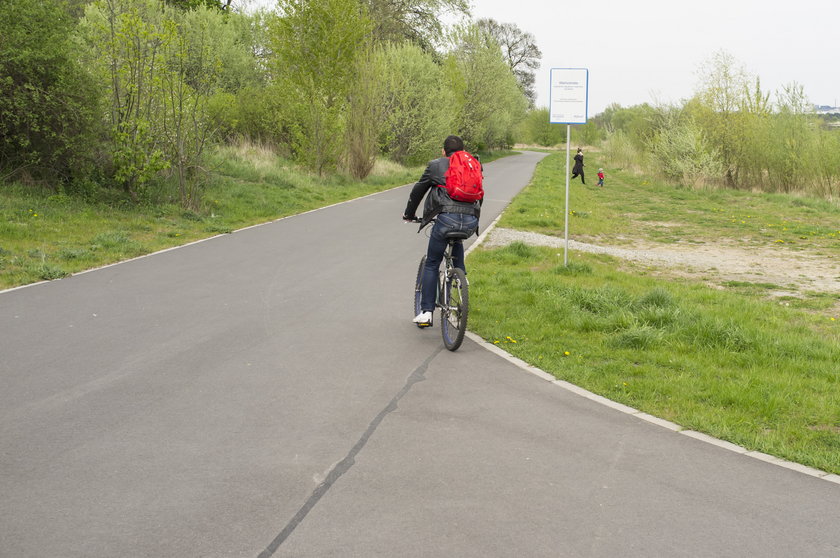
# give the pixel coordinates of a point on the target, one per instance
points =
(265, 393)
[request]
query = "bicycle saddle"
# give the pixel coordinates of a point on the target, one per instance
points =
(458, 235)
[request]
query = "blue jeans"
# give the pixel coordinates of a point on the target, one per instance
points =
(444, 223)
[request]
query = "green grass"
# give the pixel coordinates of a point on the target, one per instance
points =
(632, 207)
(761, 373)
(45, 236)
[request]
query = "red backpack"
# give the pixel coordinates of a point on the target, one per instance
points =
(463, 178)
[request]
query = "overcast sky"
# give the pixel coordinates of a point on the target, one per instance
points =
(650, 50)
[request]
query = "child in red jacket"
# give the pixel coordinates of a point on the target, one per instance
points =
(601, 178)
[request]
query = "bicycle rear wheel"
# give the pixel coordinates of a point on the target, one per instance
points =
(454, 309)
(418, 288)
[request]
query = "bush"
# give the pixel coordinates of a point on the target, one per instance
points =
(620, 152)
(48, 102)
(489, 101)
(536, 129)
(682, 152)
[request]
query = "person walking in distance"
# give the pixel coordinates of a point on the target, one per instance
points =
(449, 215)
(578, 168)
(601, 178)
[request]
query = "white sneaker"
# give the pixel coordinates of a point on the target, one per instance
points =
(423, 319)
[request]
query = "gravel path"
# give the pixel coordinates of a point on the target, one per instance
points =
(779, 266)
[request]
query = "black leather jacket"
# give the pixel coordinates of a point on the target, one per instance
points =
(438, 201)
(578, 168)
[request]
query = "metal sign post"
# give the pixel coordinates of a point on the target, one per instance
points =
(566, 213)
(568, 104)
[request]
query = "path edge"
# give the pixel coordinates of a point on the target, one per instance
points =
(672, 426)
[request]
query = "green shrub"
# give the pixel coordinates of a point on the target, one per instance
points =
(48, 101)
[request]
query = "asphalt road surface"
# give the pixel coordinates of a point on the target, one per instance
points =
(265, 393)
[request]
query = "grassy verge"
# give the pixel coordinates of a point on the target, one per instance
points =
(727, 362)
(44, 236)
(632, 207)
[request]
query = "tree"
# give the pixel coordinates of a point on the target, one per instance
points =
(723, 82)
(586, 134)
(755, 101)
(242, 105)
(418, 106)
(519, 49)
(222, 5)
(723, 87)
(160, 67)
(537, 128)
(125, 43)
(48, 101)
(489, 101)
(637, 123)
(415, 21)
(790, 138)
(192, 66)
(316, 44)
(365, 113)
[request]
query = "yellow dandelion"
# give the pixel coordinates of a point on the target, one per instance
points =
(566, 353)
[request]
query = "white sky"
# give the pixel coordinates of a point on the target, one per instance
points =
(650, 50)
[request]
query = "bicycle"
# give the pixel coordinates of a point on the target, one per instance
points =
(453, 297)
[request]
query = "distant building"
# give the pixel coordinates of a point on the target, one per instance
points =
(825, 109)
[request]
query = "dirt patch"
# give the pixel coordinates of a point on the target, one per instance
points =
(791, 271)
(825, 428)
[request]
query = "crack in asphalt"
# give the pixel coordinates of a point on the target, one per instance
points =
(345, 464)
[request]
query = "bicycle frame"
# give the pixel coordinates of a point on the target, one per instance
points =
(442, 300)
(452, 296)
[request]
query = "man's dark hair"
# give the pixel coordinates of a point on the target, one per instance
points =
(452, 144)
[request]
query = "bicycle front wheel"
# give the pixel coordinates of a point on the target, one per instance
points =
(454, 308)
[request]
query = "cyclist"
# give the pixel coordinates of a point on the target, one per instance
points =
(449, 215)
